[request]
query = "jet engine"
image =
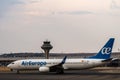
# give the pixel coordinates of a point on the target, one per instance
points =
(44, 69)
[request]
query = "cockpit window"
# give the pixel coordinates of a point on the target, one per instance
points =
(12, 63)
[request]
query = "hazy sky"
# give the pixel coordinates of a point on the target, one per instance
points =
(70, 25)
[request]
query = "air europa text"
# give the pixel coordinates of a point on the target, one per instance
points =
(28, 63)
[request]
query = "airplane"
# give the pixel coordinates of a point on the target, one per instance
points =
(59, 65)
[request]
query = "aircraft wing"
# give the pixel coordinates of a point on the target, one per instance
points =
(58, 67)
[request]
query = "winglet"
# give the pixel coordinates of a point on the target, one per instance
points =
(63, 61)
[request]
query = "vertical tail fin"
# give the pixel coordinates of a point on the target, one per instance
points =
(106, 51)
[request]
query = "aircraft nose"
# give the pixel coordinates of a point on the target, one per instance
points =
(9, 66)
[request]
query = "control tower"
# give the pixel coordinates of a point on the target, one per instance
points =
(46, 47)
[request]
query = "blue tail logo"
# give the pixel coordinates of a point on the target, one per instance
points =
(106, 51)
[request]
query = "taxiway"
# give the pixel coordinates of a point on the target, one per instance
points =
(68, 75)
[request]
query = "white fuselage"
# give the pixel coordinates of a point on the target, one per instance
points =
(69, 64)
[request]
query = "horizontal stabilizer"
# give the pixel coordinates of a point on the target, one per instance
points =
(107, 60)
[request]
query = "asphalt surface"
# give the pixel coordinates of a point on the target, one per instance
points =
(68, 75)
